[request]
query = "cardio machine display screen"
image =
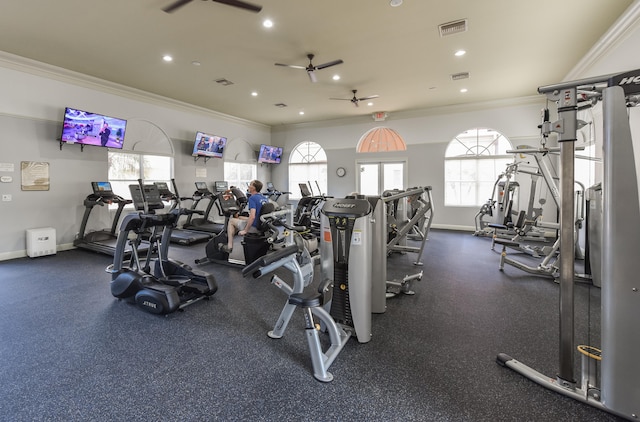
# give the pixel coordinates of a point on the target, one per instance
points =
(221, 186)
(101, 187)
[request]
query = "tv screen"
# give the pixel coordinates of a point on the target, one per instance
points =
(269, 154)
(86, 128)
(209, 145)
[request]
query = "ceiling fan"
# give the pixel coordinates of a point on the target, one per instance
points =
(235, 3)
(310, 68)
(355, 99)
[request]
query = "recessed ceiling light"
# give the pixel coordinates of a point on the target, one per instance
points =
(254, 94)
(369, 104)
(167, 58)
(301, 112)
(267, 23)
(336, 77)
(196, 63)
(460, 53)
(463, 90)
(395, 3)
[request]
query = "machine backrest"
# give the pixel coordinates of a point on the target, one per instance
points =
(267, 208)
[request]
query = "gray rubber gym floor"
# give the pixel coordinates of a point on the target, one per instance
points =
(72, 352)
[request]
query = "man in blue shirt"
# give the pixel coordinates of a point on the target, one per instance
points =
(241, 224)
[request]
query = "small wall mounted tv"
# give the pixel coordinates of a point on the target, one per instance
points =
(269, 154)
(207, 145)
(86, 128)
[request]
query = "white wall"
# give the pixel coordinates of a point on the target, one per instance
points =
(31, 109)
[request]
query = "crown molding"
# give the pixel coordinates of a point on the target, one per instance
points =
(33, 67)
(622, 28)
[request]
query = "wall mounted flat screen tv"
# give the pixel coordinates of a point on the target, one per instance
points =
(86, 128)
(207, 145)
(269, 154)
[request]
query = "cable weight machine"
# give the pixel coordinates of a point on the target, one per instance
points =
(618, 391)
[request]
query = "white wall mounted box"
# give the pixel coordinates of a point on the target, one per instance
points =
(41, 242)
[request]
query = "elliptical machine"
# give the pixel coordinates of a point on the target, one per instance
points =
(157, 284)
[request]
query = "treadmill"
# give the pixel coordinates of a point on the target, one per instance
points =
(103, 241)
(180, 236)
(202, 224)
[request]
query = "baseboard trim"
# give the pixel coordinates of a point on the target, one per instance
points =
(6, 256)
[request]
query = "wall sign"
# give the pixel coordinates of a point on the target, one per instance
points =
(35, 175)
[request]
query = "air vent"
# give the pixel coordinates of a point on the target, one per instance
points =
(454, 27)
(458, 76)
(223, 81)
(280, 105)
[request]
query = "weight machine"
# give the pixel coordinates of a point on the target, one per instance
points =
(501, 203)
(548, 266)
(420, 200)
(618, 391)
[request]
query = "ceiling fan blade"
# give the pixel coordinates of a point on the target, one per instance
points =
(341, 99)
(329, 64)
(290, 65)
(370, 97)
(241, 4)
(312, 76)
(176, 4)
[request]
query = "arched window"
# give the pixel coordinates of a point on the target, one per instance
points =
(307, 164)
(473, 161)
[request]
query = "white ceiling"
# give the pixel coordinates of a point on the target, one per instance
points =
(513, 46)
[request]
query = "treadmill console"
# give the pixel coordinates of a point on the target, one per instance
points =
(103, 194)
(201, 187)
(304, 190)
(102, 189)
(163, 190)
(220, 186)
(150, 195)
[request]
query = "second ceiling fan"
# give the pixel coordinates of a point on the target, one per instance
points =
(355, 100)
(310, 68)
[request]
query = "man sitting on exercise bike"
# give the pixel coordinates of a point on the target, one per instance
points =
(241, 224)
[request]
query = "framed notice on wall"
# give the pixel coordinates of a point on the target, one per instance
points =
(35, 175)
